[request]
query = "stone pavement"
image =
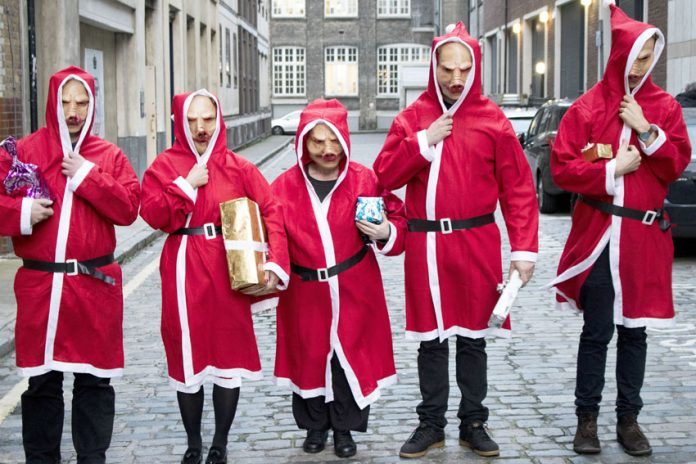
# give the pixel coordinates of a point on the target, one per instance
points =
(129, 241)
(531, 378)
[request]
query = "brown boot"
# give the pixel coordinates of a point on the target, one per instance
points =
(586, 440)
(630, 436)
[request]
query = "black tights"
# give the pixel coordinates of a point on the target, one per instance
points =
(191, 407)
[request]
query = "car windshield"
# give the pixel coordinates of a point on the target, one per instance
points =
(691, 128)
(520, 124)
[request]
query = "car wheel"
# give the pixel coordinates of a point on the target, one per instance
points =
(277, 130)
(547, 202)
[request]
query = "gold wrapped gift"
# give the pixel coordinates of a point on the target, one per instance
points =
(595, 151)
(245, 244)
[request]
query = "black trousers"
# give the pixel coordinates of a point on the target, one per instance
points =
(43, 410)
(597, 301)
(343, 413)
(472, 379)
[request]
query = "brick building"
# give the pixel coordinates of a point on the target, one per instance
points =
(557, 48)
(352, 50)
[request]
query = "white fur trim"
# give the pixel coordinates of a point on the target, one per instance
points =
(235, 382)
(450, 28)
(264, 305)
(390, 242)
(610, 177)
(75, 181)
(186, 188)
(362, 403)
(649, 322)
(457, 330)
(657, 143)
(582, 266)
(313, 393)
(524, 256)
(79, 368)
(25, 226)
(469, 78)
(65, 142)
(282, 275)
(205, 156)
(426, 150)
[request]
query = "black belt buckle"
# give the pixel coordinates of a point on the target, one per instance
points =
(71, 267)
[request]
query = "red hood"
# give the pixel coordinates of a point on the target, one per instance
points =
(55, 119)
(627, 38)
(472, 87)
(183, 139)
(329, 112)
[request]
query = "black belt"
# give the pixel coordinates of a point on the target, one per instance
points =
(323, 275)
(646, 217)
(209, 230)
(73, 267)
(447, 225)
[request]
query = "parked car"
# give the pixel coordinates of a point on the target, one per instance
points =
(681, 196)
(537, 144)
(520, 117)
(286, 124)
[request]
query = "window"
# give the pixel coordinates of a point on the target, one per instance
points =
(389, 61)
(289, 8)
(235, 62)
(341, 71)
(288, 71)
(228, 59)
(393, 7)
(341, 8)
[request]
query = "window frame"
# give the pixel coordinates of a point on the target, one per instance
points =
(295, 70)
(333, 51)
(303, 14)
(423, 50)
(339, 16)
(385, 5)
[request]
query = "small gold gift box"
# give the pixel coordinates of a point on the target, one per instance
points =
(245, 244)
(596, 151)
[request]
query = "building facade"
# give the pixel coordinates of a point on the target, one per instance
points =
(352, 50)
(541, 49)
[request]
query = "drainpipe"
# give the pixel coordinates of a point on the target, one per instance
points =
(32, 66)
(505, 49)
(437, 18)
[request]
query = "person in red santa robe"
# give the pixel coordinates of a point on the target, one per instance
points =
(458, 156)
(334, 345)
(68, 291)
(206, 326)
(617, 262)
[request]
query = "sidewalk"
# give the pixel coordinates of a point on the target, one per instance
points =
(129, 241)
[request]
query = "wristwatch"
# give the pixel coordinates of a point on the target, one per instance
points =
(645, 136)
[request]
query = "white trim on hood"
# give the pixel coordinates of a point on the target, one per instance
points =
(635, 50)
(203, 158)
(469, 79)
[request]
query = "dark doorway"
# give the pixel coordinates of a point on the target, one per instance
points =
(572, 50)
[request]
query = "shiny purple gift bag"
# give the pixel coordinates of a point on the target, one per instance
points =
(23, 179)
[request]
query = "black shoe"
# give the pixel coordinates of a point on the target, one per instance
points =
(344, 446)
(216, 456)
(586, 440)
(315, 441)
(631, 437)
(475, 436)
(192, 456)
(421, 440)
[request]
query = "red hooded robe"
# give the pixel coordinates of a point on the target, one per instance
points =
(64, 322)
(451, 279)
(346, 315)
(206, 326)
(640, 256)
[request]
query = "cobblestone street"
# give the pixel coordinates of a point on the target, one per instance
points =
(531, 378)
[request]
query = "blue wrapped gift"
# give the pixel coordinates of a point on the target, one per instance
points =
(369, 209)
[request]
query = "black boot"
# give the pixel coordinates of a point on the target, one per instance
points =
(586, 440)
(315, 441)
(344, 446)
(475, 436)
(421, 440)
(216, 455)
(192, 456)
(631, 437)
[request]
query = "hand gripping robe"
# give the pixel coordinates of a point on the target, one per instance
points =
(451, 278)
(347, 314)
(206, 326)
(70, 323)
(640, 255)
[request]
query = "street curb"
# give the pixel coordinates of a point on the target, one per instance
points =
(6, 346)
